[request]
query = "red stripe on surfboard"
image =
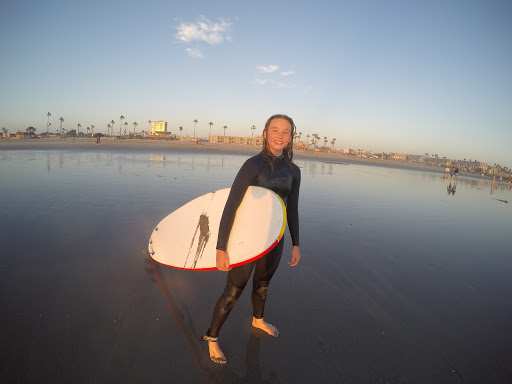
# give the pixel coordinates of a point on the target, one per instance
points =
(232, 265)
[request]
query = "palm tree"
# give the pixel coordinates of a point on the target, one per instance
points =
(121, 126)
(181, 129)
(92, 130)
(332, 142)
(225, 127)
(125, 126)
(4, 131)
(149, 125)
(61, 121)
(134, 126)
(210, 133)
(325, 141)
(253, 128)
(78, 126)
(195, 122)
(48, 123)
(88, 130)
(108, 129)
(112, 122)
(307, 140)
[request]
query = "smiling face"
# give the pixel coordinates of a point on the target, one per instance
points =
(278, 135)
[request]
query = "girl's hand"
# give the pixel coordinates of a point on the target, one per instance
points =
(222, 260)
(295, 256)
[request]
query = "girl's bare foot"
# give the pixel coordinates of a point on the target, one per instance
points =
(269, 328)
(216, 353)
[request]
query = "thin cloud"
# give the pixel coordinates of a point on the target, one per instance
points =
(195, 53)
(204, 30)
(275, 83)
(268, 69)
(274, 77)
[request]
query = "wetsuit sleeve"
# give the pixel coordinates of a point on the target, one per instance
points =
(292, 209)
(243, 179)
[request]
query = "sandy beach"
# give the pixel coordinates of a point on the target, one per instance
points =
(184, 146)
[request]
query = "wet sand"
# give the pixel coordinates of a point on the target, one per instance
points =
(396, 285)
(184, 146)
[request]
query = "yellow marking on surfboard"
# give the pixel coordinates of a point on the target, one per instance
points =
(284, 218)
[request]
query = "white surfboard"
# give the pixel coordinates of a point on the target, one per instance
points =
(187, 238)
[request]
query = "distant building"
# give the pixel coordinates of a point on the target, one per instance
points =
(187, 138)
(416, 158)
(300, 144)
(158, 127)
(398, 156)
(22, 135)
(256, 140)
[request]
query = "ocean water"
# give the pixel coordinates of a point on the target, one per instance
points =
(401, 280)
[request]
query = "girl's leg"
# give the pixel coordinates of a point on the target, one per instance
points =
(223, 308)
(264, 270)
(237, 280)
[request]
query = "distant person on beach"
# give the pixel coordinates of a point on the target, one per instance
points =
(272, 168)
(97, 140)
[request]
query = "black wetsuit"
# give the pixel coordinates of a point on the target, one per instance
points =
(286, 183)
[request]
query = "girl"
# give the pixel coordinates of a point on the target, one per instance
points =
(272, 168)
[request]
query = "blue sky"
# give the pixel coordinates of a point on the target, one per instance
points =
(393, 76)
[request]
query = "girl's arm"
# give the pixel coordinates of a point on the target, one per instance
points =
(292, 209)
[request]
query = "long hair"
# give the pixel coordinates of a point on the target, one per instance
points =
(287, 152)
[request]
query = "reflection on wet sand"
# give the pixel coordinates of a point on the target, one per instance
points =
(471, 183)
(213, 373)
(452, 187)
(401, 282)
(157, 161)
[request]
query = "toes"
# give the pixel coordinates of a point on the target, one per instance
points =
(272, 330)
(218, 359)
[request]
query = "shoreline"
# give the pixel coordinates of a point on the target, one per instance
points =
(220, 148)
